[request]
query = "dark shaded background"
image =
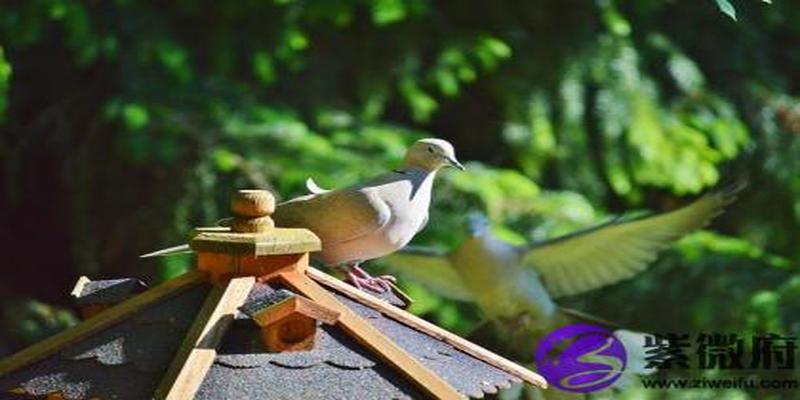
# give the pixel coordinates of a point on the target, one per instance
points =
(125, 123)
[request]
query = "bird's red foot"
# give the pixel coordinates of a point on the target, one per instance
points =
(362, 280)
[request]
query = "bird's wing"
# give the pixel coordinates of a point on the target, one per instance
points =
(430, 268)
(617, 250)
(336, 216)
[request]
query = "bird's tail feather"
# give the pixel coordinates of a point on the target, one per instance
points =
(634, 342)
(313, 188)
(169, 251)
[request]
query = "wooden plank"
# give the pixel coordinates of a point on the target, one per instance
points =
(221, 266)
(100, 321)
(272, 242)
(424, 326)
(366, 334)
(316, 311)
(199, 348)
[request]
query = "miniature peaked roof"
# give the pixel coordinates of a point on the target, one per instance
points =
(272, 305)
(260, 299)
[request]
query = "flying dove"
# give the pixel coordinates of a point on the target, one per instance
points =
(369, 220)
(508, 282)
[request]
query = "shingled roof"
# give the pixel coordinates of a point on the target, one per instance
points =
(339, 367)
(106, 292)
(188, 338)
(126, 360)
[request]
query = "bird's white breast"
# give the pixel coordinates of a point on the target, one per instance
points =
(408, 198)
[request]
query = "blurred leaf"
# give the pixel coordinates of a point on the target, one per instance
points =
(175, 59)
(135, 116)
(263, 67)
(5, 77)
(174, 266)
(421, 103)
(726, 7)
(226, 160)
(385, 12)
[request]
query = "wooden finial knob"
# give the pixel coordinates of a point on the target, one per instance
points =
(252, 203)
(251, 209)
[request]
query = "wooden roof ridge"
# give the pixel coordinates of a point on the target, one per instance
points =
(101, 321)
(266, 313)
(374, 340)
(428, 328)
(198, 350)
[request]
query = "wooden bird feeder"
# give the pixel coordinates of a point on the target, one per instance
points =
(253, 320)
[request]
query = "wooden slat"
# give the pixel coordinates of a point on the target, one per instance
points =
(271, 242)
(199, 348)
(424, 326)
(99, 322)
(367, 335)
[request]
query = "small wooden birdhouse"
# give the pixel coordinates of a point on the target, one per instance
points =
(92, 297)
(288, 322)
(254, 321)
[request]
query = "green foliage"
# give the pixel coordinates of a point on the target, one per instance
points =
(32, 321)
(728, 9)
(5, 77)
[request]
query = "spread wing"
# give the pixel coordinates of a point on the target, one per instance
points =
(335, 216)
(430, 268)
(618, 250)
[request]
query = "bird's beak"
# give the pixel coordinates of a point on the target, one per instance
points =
(455, 164)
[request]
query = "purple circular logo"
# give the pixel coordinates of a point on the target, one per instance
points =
(581, 358)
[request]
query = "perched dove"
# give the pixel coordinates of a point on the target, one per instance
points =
(514, 286)
(369, 220)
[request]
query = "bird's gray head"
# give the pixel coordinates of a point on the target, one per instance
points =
(477, 224)
(431, 154)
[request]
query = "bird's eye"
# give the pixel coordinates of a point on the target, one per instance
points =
(430, 149)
